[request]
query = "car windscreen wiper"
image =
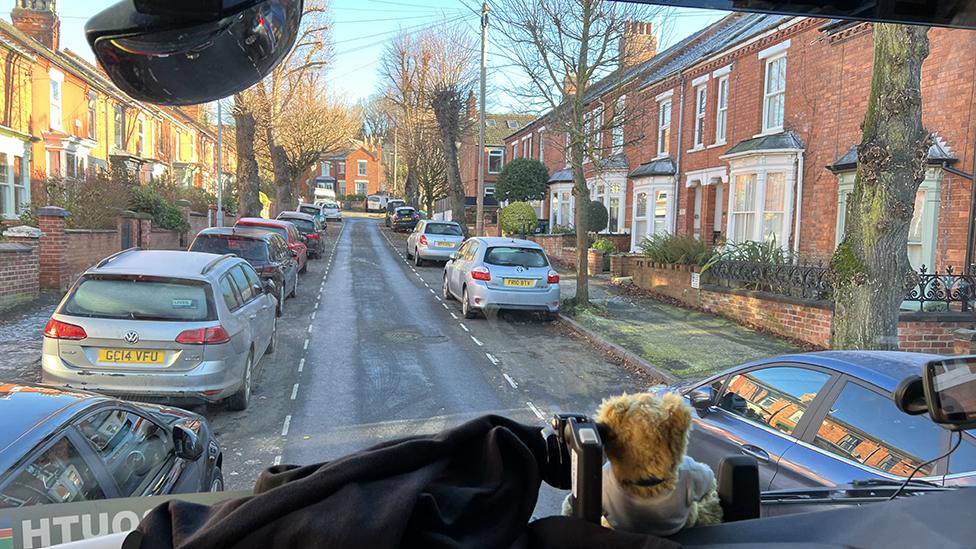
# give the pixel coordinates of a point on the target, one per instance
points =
(892, 482)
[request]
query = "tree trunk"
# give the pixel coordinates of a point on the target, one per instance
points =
(284, 193)
(447, 109)
(870, 269)
(582, 196)
(248, 185)
(412, 188)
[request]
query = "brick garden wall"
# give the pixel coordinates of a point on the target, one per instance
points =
(802, 320)
(86, 248)
(168, 240)
(561, 248)
(18, 273)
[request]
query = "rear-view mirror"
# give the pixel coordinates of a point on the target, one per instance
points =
(950, 391)
(188, 445)
(197, 56)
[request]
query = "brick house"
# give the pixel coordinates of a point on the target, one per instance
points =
(748, 134)
(357, 170)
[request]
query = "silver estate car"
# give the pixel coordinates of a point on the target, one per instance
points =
(163, 325)
(434, 240)
(501, 273)
(331, 210)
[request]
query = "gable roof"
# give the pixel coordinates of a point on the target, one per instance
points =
(498, 126)
(660, 166)
(776, 142)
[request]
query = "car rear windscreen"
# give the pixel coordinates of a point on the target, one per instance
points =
(444, 229)
(310, 210)
(511, 256)
(280, 231)
(139, 298)
(250, 249)
(303, 225)
(405, 211)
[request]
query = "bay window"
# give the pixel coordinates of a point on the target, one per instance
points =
(774, 94)
(743, 207)
(722, 110)
(701, 96)
(774, 206)
(664, 127)
(640, 214)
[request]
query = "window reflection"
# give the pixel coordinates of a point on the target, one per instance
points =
(777, 397)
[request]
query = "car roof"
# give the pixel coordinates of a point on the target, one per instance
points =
(309, 204)
(164, 263)
(296, 215)
(243, 231)
(262, 222)
(502, 241)
(28, 413)
(884, 369)
(405, 208)
(438, 222)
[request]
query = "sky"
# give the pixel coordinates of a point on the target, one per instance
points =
(361, 28)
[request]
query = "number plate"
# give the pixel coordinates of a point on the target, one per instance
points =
(520, 282)
(131, 356)
(445, 244)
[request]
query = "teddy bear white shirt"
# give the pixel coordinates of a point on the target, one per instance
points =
(663, 514)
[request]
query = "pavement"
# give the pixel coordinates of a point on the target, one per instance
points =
(684, 343)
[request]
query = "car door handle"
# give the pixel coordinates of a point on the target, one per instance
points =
(754, 451)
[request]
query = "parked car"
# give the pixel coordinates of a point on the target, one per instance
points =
(60, 446)
(267, 252)
(286, 230)
(822, 419)
(376, 202)
(170, 325)
(490, 273)
(316, 210)
(332, 210)
(391, 207)
(404, 219)
(311, 229)
(434, 240)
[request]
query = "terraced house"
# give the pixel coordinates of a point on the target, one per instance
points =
(61, 117)
(748, 130)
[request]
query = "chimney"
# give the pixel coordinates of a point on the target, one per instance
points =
(638, 44)
(39, 20)
(569, 85)
(472, 106)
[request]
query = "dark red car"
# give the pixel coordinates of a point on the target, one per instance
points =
(287, 230)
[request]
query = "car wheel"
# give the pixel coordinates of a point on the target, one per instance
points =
(466, 309)
(446, 290)
(304, 268)
(239, 400)
(416, 258)
(217, 482)
(407, 251)
(294, 289)
(274, 337)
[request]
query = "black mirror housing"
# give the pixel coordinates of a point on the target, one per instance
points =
(188, 444)
(702, 398)
(949, 386)
(195, 57)
(270, 287)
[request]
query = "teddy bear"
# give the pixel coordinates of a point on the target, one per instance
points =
(649, 485)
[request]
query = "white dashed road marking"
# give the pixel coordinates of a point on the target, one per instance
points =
(538, 413)
(276, 461)
(309, 328)
(478, 343)
(511, 382)
(463, 327)
(313, 316)
(445, 306)
(294, 392)
(301, 365)
(492, 358)
(305, 346)
(454, 316)
(284, 429)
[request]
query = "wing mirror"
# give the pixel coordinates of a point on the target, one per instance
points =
(702, 398)
(455, 256)
(185, 53)
(270, 287)
(946, 390)
(188, 444)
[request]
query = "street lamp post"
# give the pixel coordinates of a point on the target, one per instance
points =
(220, 166)
(480, 200)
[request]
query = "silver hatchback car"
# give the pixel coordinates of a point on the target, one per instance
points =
(163, 325)
(501, 273)
(434, 240)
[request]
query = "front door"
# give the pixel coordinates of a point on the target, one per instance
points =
(698, 211)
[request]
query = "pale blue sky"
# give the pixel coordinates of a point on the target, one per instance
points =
(362, 27)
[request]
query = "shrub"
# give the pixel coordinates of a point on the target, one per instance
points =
(606, 246)
(675, 249)
(561, 229)
(94, 203)
(521, 180)
(165, 215)
(754, 251)
(516, 217)
(597, 217)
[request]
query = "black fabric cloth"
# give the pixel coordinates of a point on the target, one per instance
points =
(475, 486)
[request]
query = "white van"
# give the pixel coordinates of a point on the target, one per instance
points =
(376, 203)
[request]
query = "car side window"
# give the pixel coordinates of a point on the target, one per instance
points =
(231, 298)
(776, 396)
(243, 286)
(253, 279)
(963, 460)
(133, 448)
(866, 427)
(472, 251)
(58, 475)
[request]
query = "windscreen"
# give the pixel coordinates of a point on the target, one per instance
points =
(512, 256)
(446, 229)
(303, 225)
(405, 211)
(280, 231)
(246, 248)
(140, 298)
(310, 210)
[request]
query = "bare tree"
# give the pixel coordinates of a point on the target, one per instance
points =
(431, 171)
(870, 268)
(377, 117)
(248, 183)
(564, 47)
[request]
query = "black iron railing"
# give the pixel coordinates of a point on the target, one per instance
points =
(946, 291)
(801, 280)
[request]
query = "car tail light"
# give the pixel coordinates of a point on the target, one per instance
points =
(266, 269)
(553, 277)
(480, 273)
(423, 239)
(200, 336)
(56, 329)
(313, 236)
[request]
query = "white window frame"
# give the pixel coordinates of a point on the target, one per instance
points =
(141, 126)
(55, 112)
(326, 169)
(527, 146)
(722, 110)
(617, 132)
(664, 143)
(514, 150)
(362, 168)
(603, 190)
(559, 194)
(365, 185)
(650, 187)
(762, 166)
(500, 154)
(701, 107)
(767, 94)
(542, 145)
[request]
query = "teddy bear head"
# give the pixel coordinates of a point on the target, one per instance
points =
(646, 437)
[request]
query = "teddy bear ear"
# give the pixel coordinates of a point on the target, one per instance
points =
(679, 413)
(612, 410)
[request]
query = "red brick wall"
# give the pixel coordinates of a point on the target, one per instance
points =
(806, 323)
(374, 171)
(18, 274)
(673, 281)
(86, 248)
(166, 240)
